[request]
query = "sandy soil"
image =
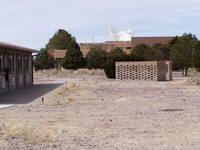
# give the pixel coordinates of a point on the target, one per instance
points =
(103, 114)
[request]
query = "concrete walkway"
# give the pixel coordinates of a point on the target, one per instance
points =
(28, 94)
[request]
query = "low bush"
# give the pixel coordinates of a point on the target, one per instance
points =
(96, 58)
(28, 132)
(43, 61)
(113, 56)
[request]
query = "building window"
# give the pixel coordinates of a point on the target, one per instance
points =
(2, 62)
(26, 63)
(11, 62)
(20, 63)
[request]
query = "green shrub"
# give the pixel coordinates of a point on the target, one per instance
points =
(43, 61)
(61, 40)
(73, 58)
(197, 57)
(142, 52)
(96, 58)
(113, 56)
(183, 52)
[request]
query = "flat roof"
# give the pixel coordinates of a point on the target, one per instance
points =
(16, 47)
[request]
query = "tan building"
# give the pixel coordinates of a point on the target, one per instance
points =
(15, 67)
(57, 55)
(150, 40)
(126, 46)
(108, 45)
(85, 47)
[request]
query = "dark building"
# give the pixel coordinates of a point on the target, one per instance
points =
(16, 69)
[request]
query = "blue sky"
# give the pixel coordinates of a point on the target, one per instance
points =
(31, 23)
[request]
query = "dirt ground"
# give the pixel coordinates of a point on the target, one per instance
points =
(104, 114)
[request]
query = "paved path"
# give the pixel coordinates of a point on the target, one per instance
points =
(5, 106)
(28, 94)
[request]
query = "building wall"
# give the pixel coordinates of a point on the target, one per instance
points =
(169, 70)
(126, 46)
(15, 70)
(108, 45)
(85, 47)
(57, 54)
(143, 70)
(150, 40)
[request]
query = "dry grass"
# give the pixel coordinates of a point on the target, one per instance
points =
(69, 99)
(28, 132)
(61, 95)
(108, 114)
(68, 73)
(193, 77)
(3, 144)
(194, 80)
(71, 85)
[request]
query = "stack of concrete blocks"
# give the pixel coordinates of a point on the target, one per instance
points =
(144, 70)
(169, 70)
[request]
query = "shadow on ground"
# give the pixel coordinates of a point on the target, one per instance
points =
(28, 94)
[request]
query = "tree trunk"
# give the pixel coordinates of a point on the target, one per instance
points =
(186, 71)
(183, 72)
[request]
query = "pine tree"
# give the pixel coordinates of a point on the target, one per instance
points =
(96, 58)
(113, 56)
(43, 61)
(182, 52)
(197, 57)
(61, 40)
(73, 58)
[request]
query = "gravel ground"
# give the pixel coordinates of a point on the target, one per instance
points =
(107, 114)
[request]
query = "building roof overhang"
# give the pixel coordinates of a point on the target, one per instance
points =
(16, 47)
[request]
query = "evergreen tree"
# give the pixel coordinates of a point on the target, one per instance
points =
(62, 40)
(160, 52)
(113, 56)
(142, 52)
(182, 52)
(43, 60)
(96, 58)
(173, 41)
(197, 57)
(73, 58)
